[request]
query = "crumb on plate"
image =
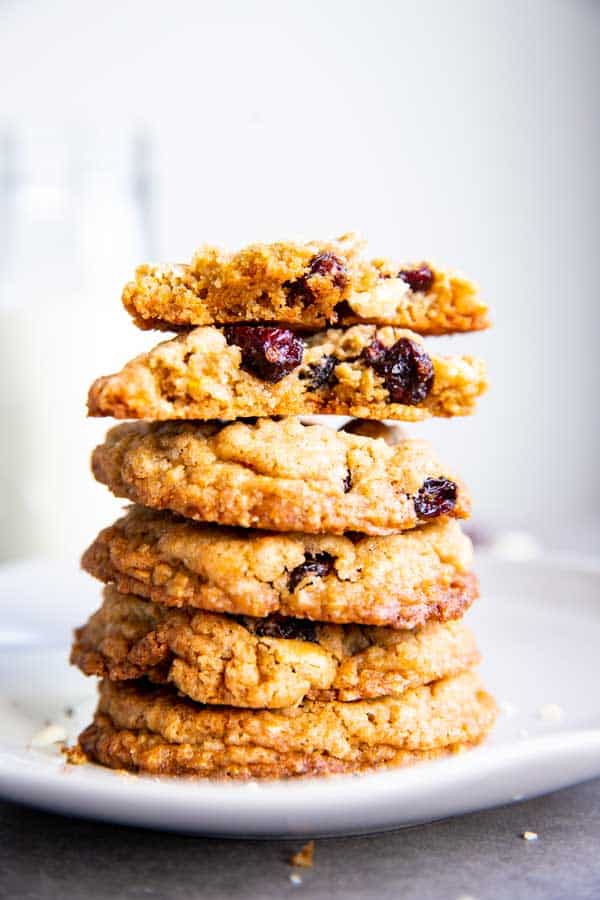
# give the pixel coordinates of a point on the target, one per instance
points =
(74, 756)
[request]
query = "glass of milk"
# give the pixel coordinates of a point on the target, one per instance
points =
(75, 219)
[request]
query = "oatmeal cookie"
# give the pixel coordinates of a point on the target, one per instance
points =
(268, 663)
(248, 370)
(278, 475)
(401, 580)
(148, 729)
(310, 285)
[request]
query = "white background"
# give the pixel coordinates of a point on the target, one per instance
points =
(464, 131)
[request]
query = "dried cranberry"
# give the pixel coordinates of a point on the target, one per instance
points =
(419, 279)
(321, 373)
(374, 355)
(343, 310)
(406, 369)
(319, 564)
(436, 497)
(277, 626)
(298, 292)
(329, 264)
(325, 264)
(268, 353)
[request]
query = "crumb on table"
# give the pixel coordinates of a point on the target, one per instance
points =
(304, 856)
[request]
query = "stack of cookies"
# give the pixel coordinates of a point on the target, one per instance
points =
(284, 598)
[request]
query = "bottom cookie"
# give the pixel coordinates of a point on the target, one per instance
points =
(148, 729)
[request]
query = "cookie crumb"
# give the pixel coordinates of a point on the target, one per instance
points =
(74, 756)
(50, 734)
(551, 712)
(530, 836)
(295, 878)
(304, 856)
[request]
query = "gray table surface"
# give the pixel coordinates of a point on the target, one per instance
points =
(477, 856)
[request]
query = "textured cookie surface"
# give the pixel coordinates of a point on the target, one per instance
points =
(263, 663)
(278, 475)
(213, 373)
(152, 730)
(401, 580)
(312, 284)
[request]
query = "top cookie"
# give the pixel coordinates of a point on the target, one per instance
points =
(310, 285)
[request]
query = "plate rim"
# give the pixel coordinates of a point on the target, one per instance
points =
(240, 798)
(95, 793)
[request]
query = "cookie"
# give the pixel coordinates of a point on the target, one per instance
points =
(147, 729)
(245, 370)
(268, 663)
(278, 475)
(311, 285)
(401, 580)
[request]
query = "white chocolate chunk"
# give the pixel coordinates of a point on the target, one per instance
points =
(381, 302)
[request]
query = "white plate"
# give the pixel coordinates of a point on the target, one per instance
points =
(539, 629)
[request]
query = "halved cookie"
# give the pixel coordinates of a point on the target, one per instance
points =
(309, 284)
(248, 370)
